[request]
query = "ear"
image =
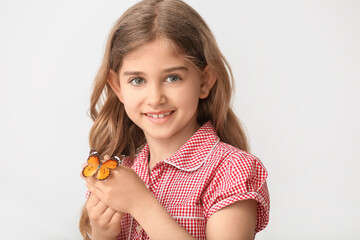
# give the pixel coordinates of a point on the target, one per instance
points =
(208, 81)
(114, 82)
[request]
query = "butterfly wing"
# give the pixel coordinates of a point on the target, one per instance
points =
(111, 164)
(104, 171)
(92, 167)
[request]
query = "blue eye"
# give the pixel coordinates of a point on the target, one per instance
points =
(137, 81)
(172, 79)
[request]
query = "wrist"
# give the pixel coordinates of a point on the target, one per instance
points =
(156, 221)
(143, 205)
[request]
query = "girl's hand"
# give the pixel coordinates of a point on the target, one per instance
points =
(105, 222)
(123, 191)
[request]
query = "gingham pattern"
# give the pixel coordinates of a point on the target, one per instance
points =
(202, 177)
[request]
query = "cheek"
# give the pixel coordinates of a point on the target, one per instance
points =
(130, 102)
(188, 98)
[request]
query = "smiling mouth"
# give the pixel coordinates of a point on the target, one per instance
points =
(162, 115)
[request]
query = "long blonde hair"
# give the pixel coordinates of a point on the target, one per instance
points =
(113, 132)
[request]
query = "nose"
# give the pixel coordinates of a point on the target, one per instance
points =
(155, 95)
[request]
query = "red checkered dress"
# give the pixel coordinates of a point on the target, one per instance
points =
(202, 177)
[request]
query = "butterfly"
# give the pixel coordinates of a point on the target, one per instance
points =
(100, 170)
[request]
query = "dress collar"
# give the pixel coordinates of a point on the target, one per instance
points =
(193, 153)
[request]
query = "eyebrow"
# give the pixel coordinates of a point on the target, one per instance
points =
(167, 70)
(176, 68)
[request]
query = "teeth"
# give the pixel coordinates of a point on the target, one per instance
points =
(159, 116)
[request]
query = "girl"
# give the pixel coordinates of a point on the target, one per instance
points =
(162, 98)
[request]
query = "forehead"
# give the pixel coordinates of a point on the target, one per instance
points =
(164, 51)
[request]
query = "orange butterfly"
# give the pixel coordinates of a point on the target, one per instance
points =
(102, 170)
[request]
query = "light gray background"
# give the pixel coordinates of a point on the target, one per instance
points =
(297, 71)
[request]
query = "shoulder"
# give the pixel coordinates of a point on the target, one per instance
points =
(228, 156)
(234, 152)
(237, 175)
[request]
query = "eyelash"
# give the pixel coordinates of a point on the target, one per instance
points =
(132, 80)
(176, 76)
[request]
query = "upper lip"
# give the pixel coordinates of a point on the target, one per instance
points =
(160, 112)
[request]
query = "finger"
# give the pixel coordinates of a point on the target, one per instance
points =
(116, 218)
(96, 211)
(91, 180)
(94, 190)
(108, 214)
(106, 157)
(95, 183)
(100, 208)
(93, 201)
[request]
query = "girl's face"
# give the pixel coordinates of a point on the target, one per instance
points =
(160, 90)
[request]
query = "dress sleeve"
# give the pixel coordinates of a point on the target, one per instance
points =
(241, 176)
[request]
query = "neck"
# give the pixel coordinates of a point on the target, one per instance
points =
(161, 149)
